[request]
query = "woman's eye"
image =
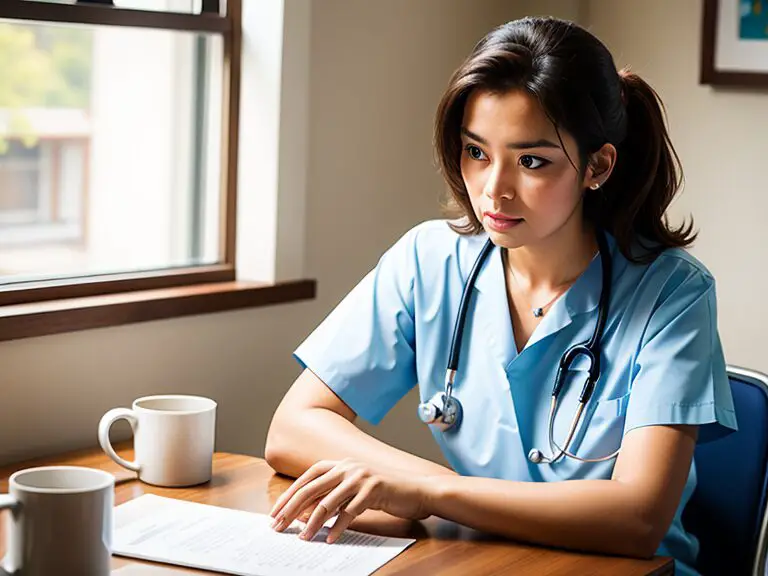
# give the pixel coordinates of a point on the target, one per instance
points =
(475, 153)
(532, 162)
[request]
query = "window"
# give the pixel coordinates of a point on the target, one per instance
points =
(118, 149)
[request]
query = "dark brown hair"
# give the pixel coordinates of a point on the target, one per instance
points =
(574, 78)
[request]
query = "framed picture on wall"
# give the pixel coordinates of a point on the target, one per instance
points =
(735, 43)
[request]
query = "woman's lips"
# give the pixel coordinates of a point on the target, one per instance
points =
(499, 222)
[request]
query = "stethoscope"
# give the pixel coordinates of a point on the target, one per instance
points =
(444, 411)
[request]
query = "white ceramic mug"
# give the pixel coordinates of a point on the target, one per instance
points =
(60, 521)
(174, 437)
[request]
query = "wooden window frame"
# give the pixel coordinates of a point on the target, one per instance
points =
(38, 308)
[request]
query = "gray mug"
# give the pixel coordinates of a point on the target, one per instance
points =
(60, 522)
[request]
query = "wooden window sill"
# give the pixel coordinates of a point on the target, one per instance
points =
(69, 315)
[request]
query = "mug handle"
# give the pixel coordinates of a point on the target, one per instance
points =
(6, 501)
(106, 423)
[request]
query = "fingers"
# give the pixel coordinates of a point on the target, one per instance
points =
(324, 490)
(341, 524)
(359, 504)
(335, 500)
(307, 513)
(303, 517)
(350, 498)
(313, 472)
(305, 497)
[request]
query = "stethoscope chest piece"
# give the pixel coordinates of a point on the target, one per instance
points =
(442, 411)
(535, 456)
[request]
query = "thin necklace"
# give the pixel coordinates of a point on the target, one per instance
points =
(538, 311)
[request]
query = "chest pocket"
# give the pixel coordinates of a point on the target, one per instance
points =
(599, 431)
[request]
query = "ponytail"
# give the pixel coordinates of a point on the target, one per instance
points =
(647, 176)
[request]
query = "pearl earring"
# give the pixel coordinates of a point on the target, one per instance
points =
(595, 186)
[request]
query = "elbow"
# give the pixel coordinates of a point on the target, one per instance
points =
(286, 450)
(644, 539)
(274, 456)
(633, 543)
(645, 545)
(275, 452)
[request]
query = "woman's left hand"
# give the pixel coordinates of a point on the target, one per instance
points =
(348, 488)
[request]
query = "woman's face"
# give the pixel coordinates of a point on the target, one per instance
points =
(522, 185)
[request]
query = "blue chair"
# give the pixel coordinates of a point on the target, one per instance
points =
(727, 511)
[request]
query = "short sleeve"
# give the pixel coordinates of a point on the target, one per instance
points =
(364, 350)
(680, 373)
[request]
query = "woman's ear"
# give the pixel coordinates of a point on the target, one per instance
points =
(599, 166)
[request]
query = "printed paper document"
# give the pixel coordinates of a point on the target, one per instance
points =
(236, 542)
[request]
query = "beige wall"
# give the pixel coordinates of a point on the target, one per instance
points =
(568, 9)
(377, 70)
(721, 136)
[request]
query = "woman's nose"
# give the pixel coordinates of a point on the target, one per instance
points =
(499, 183)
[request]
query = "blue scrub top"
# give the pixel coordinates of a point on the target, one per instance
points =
(661, 358)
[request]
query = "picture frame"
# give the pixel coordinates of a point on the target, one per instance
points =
(734, 43)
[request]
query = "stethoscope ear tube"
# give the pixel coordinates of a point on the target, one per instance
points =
(458, 329)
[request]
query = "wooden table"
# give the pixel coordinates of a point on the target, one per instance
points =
(443, 547)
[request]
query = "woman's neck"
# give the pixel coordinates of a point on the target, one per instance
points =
(555, 261)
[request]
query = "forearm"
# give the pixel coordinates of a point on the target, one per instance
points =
(321, 434)
(594, 515)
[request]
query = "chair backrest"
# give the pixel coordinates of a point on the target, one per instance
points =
(727, 509)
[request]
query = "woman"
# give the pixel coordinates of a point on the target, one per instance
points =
(565, 165)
